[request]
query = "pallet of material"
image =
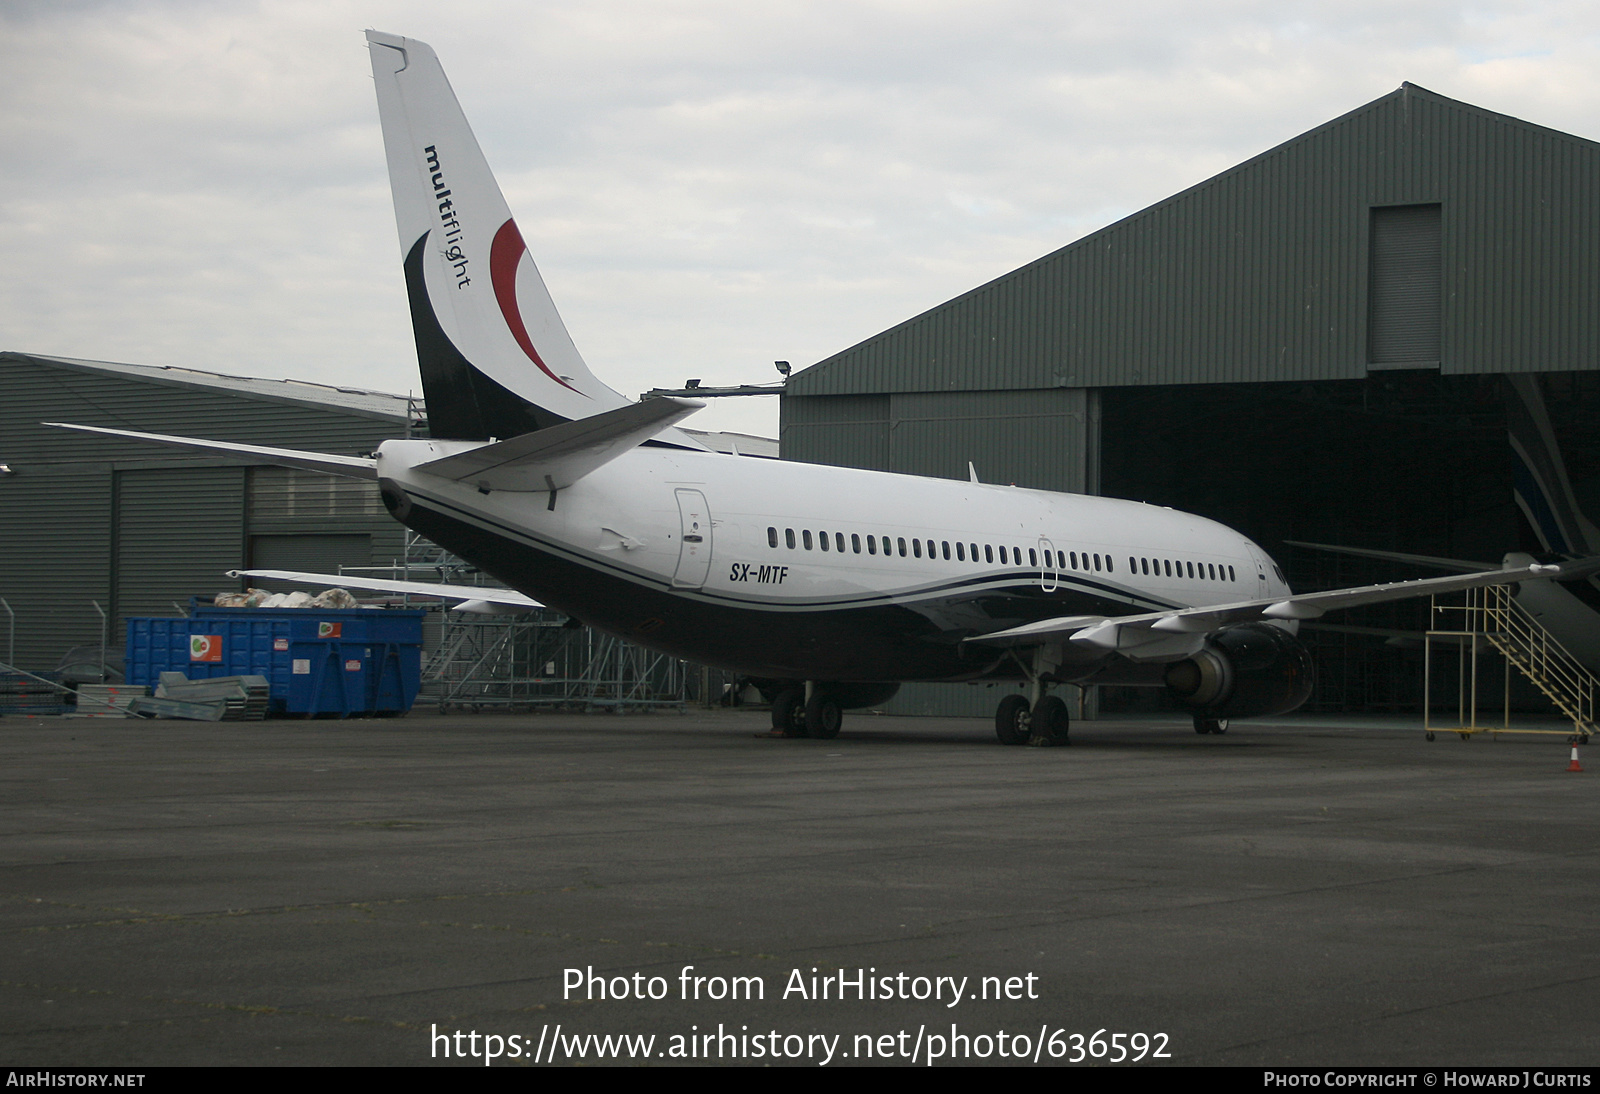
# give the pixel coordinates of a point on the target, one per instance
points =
(151, 707)
(244, 698)
(107, 700)
(20, 694)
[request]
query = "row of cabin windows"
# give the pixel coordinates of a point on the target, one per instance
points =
(1204, 571)
(914, 548)
(1064, 560)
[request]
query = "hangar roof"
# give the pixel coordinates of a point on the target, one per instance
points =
(1262, 272)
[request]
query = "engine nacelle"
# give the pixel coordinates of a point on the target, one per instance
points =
(1247, 671)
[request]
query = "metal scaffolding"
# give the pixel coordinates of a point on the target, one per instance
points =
(541, 659)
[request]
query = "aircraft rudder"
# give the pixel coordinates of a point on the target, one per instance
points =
(495, 356)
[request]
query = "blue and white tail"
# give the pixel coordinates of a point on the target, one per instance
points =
(1543, 491)
(496, 359)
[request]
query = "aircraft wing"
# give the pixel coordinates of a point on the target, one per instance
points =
(358, 467)
(1130, 632)
(468, 594)
(558, 456)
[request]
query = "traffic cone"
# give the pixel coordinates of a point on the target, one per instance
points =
(1574, 765)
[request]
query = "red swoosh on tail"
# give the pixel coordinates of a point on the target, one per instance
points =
(504, 255)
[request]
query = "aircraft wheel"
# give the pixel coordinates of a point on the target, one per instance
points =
(1430, 735)
(823, 717)
(789, 712)
(1206, 724)
(1013, 721)
(1050, 721)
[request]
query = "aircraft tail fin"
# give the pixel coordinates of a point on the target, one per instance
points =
(496, 359)
(1543, 491)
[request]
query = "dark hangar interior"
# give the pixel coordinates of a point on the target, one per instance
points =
(1312, 346)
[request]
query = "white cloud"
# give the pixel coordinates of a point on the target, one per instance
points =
(707, 185)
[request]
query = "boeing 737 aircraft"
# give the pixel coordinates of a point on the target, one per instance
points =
(832, 584)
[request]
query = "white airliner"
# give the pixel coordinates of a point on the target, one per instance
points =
(832, 585)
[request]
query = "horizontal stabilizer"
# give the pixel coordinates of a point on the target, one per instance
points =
(356, 467)
(505, 598)
(558, 456)
(1460, 565)
(1124, 632)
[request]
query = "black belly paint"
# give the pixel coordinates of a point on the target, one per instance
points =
(920, 640)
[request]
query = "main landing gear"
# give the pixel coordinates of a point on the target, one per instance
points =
(1044, 722)
(794, 715)
(1205, 724)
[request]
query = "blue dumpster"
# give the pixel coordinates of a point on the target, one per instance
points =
(343, 662)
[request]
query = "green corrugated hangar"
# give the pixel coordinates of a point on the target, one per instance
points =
(1310, 346)
(138, 529)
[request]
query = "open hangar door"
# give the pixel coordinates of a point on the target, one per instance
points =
(1408, 461)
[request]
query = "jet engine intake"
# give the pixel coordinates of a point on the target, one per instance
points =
(1247, 671)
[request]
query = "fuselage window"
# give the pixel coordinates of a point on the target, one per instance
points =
(855, 542)
(838, 541)
(1144, 565)
(872, 545)
(974, 548)
(1133, 565)
(988, 553)
(1212, 569)
(788, 537)
(946, 545)
(961, 552)
(1033, 557)
(1191, 569)
(1097, 562)
(916, 547)
(1230, 574)
(822, 540)
(902, 546)
(1061, 560)
(1072, 557)
(805, 538)
(772, 537)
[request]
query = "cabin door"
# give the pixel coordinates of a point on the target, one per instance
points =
(694, 540)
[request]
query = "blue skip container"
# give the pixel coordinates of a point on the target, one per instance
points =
(341, 662)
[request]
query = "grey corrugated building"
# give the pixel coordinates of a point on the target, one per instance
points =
(135, 527)
(1306, 346)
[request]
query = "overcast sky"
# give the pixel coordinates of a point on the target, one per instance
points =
(707, 185)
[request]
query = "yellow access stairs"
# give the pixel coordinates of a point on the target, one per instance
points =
(1492, 617)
